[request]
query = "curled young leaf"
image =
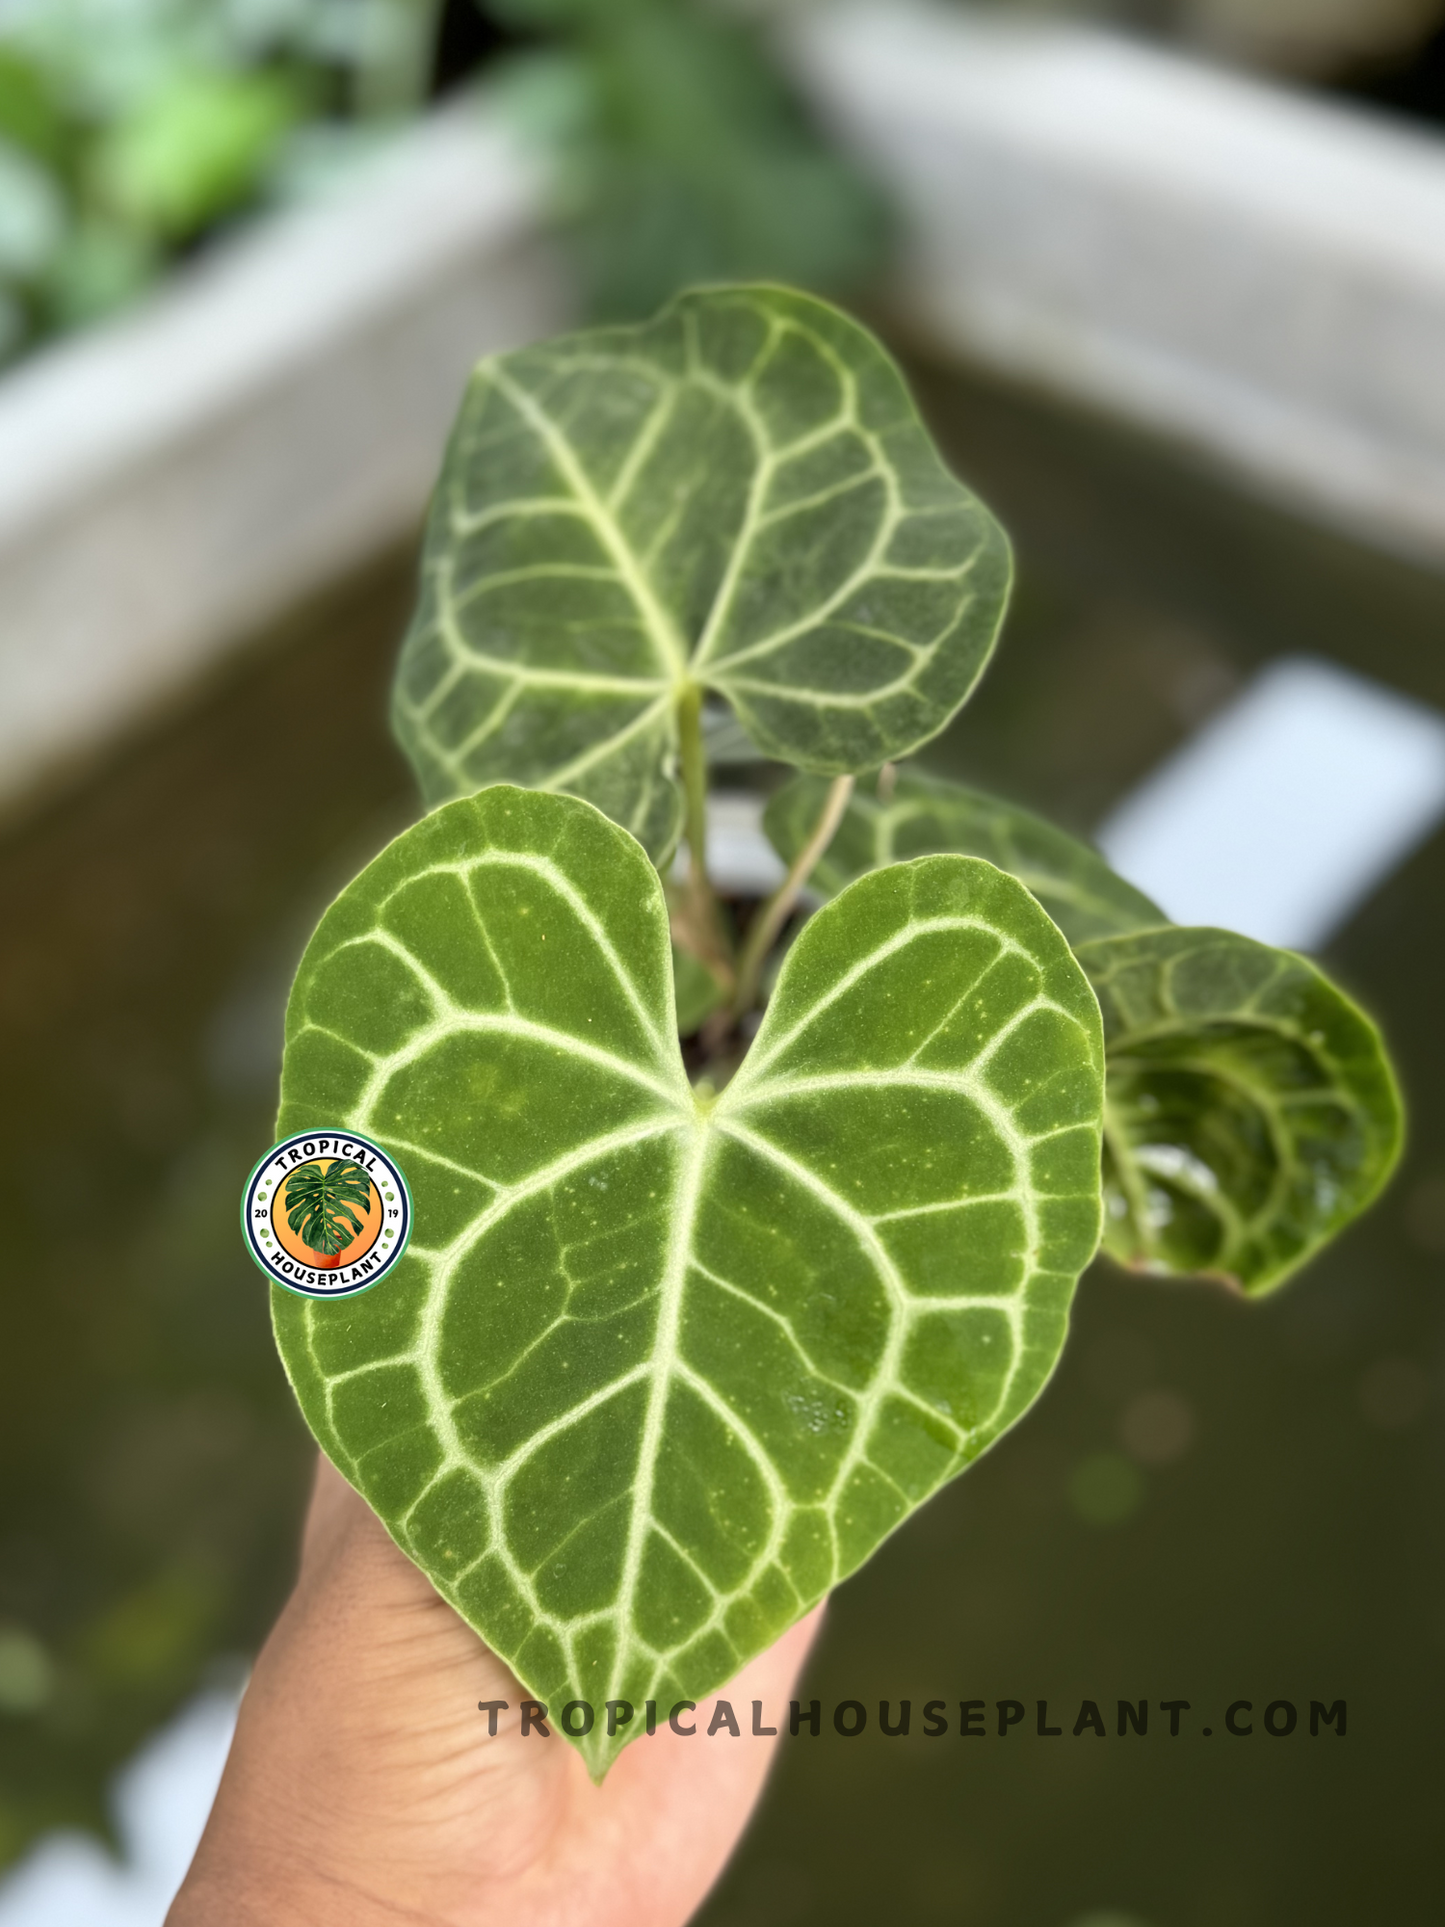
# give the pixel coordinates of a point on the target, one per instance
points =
(1252, 1110)
(661, 1366)
(924, 815)
(739, 497)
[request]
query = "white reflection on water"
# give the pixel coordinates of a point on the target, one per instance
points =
(160, 1802)
(1287, 809)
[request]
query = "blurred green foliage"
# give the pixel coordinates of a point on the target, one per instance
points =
(131, 129)
(681, 153)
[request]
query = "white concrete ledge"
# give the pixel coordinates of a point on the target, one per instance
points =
(177, 479)
(1254, 272)
(1257, 272)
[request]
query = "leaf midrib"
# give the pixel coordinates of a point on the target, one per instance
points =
(662, 1363)
(670, 645)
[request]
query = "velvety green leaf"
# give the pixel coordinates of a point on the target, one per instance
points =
(738, 495)
(1252, 1109)
(926, 815)
(659, 1367)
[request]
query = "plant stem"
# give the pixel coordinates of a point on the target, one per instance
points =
(763, 932)
(703, 933)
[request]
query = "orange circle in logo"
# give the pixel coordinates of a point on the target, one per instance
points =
(361, 1241)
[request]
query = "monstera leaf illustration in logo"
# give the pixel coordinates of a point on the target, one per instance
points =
(319, 1202)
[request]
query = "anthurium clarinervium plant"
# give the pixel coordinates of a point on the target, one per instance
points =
(680, 1339)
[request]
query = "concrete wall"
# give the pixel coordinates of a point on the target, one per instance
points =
(175, 480)
(1257, 272)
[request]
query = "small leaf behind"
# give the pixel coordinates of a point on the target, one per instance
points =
(1252, 1110)
(927, 814)
(738, 495)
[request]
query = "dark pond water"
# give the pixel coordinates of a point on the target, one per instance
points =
(1279, 1541)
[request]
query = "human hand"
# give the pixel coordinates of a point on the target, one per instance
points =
(362, 1789)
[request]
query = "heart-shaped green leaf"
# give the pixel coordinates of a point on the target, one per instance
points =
(1252, 1110)
(319, 1204)
(923, 815)
(659, 1366)
(737, 496)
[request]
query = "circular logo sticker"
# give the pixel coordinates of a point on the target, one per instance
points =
(326, 1213)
